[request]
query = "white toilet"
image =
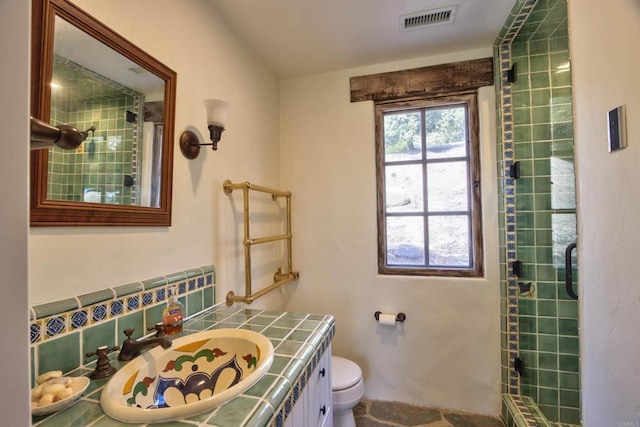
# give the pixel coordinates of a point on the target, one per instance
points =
(347, 388)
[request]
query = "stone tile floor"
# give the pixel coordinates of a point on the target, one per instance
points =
(375, 413)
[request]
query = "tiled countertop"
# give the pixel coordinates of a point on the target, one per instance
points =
(299, 340)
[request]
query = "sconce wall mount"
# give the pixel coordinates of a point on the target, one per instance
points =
(216, 116)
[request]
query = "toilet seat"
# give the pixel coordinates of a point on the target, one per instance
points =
(344, 373)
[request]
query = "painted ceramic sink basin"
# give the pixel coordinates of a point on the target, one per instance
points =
(198, 373)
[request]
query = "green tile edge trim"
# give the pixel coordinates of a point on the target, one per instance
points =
(517, 412)
(96, 297)
(55, 307)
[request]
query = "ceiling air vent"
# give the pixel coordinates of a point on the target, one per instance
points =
(427, 18)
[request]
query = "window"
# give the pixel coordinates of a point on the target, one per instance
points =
(428, 177)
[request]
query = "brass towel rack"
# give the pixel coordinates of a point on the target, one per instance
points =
(279, 278)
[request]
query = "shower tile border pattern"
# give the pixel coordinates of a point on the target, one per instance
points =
(62, 332)
(514, 414)
(518, 16)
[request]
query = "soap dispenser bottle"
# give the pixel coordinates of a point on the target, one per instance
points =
(173, 314)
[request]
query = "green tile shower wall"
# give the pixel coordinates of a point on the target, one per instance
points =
(101, 162)
(543, 131)
(61, 332)
(540, 129)
(105, 157)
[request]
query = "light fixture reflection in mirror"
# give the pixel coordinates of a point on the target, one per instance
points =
(217, 112)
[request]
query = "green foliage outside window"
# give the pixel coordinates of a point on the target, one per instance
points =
(443, 126)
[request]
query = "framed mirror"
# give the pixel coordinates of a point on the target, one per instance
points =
(87, 76)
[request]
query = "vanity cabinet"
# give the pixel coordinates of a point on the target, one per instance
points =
(314, 408)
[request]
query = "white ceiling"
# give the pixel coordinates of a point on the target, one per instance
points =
(302, 37)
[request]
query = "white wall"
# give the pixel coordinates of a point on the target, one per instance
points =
(606, 73)
(211, 62)
(14, 166)
(447, 352)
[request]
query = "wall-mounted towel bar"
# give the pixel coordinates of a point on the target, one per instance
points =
(279, 278)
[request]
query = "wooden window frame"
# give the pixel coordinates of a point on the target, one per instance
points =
(474, 185)
(423, 84)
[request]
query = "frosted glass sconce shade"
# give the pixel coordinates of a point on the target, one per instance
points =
(217, 112)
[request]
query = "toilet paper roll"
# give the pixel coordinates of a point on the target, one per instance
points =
(386, 319)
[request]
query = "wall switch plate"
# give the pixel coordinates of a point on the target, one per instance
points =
(616, 124)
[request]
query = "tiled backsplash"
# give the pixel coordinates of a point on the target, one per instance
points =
(62, 332)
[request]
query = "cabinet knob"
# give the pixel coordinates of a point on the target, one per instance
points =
(323, 410)
(322, 372)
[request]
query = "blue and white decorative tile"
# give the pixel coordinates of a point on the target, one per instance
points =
(303, 382)
(182, 288)
(147, 298)
(209, 279)
(192, 285)
(287, 406)
(279, 422)
(79, 319)
(133, 303)
(296, 392)
(99, 312)
(35, 332)
(200, 282)
(161, 294)
(117, 308)
(55, 326)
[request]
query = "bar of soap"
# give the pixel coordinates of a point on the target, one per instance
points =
(41, 379)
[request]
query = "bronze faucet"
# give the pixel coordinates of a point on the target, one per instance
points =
(131, 348)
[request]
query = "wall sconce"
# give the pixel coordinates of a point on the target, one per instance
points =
(217, 111)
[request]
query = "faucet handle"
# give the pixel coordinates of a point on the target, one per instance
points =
(128, 332)
(103, 366)
(159, 328)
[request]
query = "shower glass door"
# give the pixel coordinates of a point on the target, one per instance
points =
(542, 360)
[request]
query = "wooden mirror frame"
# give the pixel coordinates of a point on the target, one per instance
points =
(56, 212)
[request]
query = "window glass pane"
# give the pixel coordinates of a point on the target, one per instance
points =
(446, 132)
(405, 240)
(447, 187)
(403, 188)
(402, 137)
(449, 240)
(425, 161)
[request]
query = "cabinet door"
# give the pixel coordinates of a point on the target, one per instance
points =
(314, 407)
(323, 416)
(326, 389)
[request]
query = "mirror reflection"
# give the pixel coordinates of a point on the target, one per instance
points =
(94, 86)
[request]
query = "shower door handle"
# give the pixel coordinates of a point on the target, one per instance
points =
(568, 275)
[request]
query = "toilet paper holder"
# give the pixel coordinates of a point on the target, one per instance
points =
(400, 317)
